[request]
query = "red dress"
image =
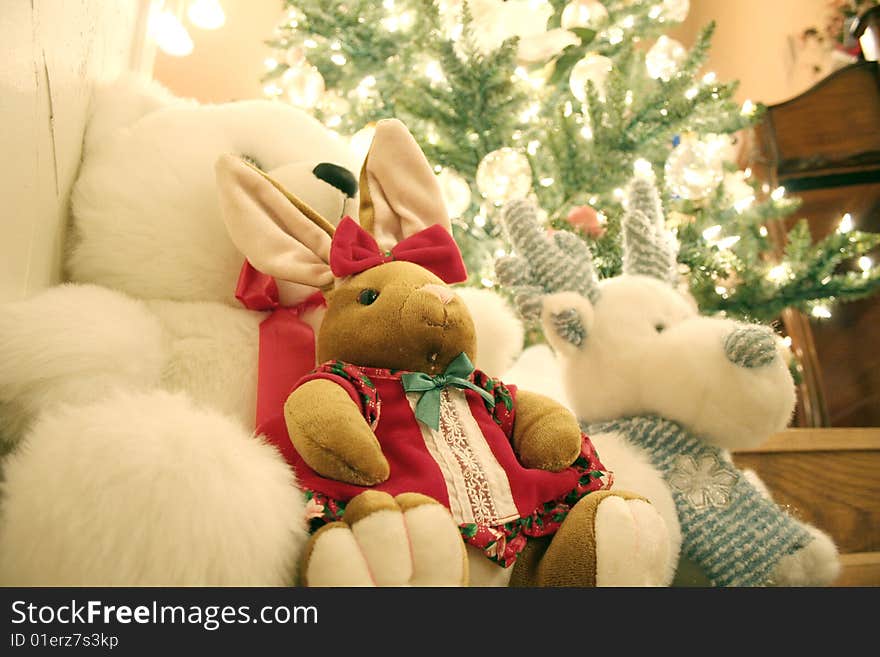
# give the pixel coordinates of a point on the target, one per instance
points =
(468, 463)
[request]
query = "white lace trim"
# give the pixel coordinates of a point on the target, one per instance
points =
(477, 485)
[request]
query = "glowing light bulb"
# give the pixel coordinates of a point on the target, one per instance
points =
(846, 224)
(642, 167)
(787, 341)
(778, 273)
(170, 34)
(710, 77)
(338, 59)
(434, 71)
(206, 14)
(778, 193)
(270, 63)
(821, 311)
(487, 282)
(865, 264)
(728, 242)
(712, 233)
(763, 231)
(748, 108)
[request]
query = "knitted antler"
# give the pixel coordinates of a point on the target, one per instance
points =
(647, 249)
(546, 266)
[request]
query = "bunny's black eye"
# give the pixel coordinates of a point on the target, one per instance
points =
(660, 327)
(368, 296)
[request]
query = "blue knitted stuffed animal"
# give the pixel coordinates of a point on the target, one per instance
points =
(665, 392)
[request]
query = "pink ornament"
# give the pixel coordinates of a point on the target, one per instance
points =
(587, 219)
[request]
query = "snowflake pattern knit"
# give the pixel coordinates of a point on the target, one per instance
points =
(732, 531)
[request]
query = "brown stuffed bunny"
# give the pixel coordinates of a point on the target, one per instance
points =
(397, 419)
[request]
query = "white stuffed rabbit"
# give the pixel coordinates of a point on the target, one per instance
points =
(127, 397)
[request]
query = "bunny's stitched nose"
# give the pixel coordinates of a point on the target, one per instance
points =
(750, 346)
(440, 291)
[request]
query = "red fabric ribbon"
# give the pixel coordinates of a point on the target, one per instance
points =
(354, 250)
(287, 352)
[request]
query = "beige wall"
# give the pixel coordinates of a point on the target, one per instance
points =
(226, 63)
(758, 43)
(54, 53)
(753, 43)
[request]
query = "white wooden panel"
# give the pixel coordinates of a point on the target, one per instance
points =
(54, 52)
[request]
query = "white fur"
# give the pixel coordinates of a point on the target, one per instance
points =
(147, 489)
(499, 330)
(438, 555)
(73, 343)
(211, 352)
(538, 370)
(125, 487)
(816, 564)
(626, 367)
(631, 544)
(145, 203)
(382, 539)
(336, 560)
(634, 472)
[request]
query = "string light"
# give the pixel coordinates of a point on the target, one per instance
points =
(821, 311)
(711, 234)
(728, 242)
(763, 231)
(170, 34)
(865, 264)
(642, 167)
(206, 14)
(778, 193)
(779, 273)
(748, 108)
(270, 63)
(846, 224)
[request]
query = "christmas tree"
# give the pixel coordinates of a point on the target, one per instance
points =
(560, 101)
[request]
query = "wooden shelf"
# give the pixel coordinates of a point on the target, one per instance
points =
(831, 479)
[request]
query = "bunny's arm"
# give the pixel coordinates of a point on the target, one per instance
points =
(329, 432)
(545, 434)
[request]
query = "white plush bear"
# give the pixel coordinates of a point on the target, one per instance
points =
(127, 396)
(664, 393)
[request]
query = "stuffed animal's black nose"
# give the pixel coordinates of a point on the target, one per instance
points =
(337, 176)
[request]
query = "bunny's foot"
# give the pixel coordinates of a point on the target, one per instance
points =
(608, 539)
(408, 540)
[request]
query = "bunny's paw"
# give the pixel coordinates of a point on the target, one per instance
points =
(408, 540)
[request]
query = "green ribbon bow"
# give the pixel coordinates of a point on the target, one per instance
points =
(456, 375)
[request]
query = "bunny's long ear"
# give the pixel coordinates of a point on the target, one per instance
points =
(400, 194)
(278, 233)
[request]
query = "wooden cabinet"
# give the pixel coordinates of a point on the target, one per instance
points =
(824, 147)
